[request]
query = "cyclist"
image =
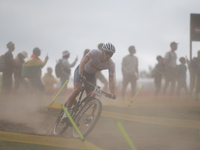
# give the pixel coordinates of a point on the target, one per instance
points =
(93, 62)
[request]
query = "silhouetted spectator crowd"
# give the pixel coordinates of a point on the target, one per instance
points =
(27, 74)
(176, 74)
(167, 69)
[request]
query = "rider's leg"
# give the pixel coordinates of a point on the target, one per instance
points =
(75, 93)
(103, 80)
(92, 79)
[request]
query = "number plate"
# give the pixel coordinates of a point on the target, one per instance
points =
(97, 91)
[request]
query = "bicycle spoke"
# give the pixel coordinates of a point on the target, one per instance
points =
(87, 117)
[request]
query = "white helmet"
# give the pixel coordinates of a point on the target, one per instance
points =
(108, 47)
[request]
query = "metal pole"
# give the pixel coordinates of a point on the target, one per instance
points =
(191, 73)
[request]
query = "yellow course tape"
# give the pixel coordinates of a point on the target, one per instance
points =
(46, 140)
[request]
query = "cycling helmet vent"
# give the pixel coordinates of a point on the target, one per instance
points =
(108, 47)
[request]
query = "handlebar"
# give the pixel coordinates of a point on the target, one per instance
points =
(103, 92)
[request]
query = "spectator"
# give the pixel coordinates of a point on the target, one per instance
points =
(158, 73)
(130, 71)
(181, 74)
(49, 82)
(66, 67)
(195, 67)
(170, 69)
(7, 74)
(19, 61)
(85, 52)
(32, 70)
(100, 46)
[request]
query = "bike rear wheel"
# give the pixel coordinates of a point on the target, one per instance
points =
(87, 117)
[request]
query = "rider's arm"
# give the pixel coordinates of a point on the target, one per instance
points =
(112, 85)
(82, 64)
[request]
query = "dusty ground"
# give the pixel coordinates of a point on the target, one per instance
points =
(152, 125)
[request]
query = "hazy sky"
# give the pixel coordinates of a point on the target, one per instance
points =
(74, 25)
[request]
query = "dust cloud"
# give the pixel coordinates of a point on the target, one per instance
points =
(26, 110)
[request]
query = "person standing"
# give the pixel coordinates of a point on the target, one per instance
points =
(158, 73)
(130, 71)
(181, 73)
(49, 81)
(170, 68)
(19, 61)
(66, 67)
(32, 69)
(7, 74)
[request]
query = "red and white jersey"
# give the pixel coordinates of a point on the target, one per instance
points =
(95, 64)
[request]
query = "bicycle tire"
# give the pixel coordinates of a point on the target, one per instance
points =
(86, 122)
(59, 126)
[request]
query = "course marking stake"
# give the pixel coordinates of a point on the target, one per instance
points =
(75, 127)
(135, 95)
(120, 127)
(57, 94)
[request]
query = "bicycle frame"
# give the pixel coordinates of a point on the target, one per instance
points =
(80, 106)
(75, 109)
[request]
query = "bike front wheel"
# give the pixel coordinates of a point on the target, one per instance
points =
(60, 125)
(87, 117)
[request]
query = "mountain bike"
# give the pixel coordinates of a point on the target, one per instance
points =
(85, 112)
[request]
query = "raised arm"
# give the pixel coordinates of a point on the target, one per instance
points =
(45, 61)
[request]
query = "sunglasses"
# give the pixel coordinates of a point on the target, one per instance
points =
(108, 53)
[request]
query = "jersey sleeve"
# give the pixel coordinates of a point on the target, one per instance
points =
(90, 54)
